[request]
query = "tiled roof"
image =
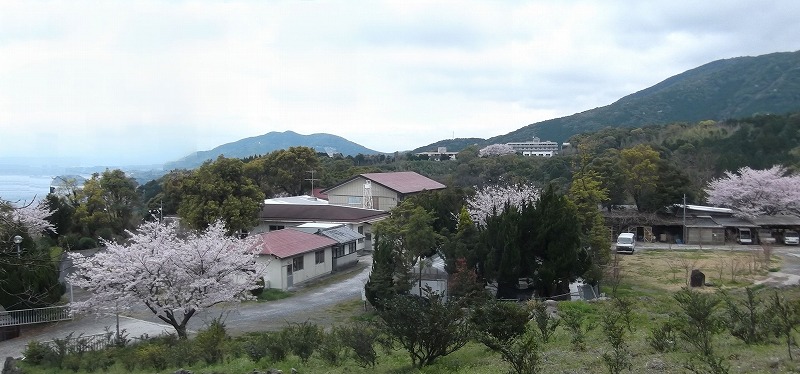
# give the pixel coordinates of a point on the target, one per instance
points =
(287, 243)
(404, 181)
(319, 213)
(779, 220)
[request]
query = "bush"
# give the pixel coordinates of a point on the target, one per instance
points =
(209, 343)
(303, 339)
(331, 348)
(106, 233)
(361, 338)
(98, 360)
(497, 322)
(663, 338)
(37, 353)
(87, 243)
(69, 241)
(152, 355)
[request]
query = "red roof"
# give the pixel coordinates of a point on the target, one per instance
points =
(288, 242)
(403, 182)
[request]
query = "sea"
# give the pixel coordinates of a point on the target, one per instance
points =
(22, 189)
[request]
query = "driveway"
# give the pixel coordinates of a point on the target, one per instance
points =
(309, 303)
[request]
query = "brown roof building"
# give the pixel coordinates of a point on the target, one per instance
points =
(381, 191)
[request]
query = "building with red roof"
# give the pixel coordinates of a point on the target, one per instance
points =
(292, 257)
(382, 191)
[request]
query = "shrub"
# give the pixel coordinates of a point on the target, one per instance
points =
(544, 321)
(152, 355)
(427, 328)
(361, 338)
(303, 339)
(498, 321)
(747, 320)
(87, 243)
(37, 353)
(331, 348)
(663, 338)
(98, 360)
(69, 241)
(106, 233)
(209, 343)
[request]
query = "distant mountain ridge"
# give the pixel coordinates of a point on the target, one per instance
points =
(269, 142)
(723, 89)
(731, 88)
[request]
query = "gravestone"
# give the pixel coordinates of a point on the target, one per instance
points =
(698, 279)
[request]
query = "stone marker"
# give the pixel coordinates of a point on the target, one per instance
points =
(698, 279)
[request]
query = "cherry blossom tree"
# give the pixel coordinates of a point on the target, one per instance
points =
(752, 192)
(29, 218)
(491, 200)
(496, 150)
(174, 275)
(28, 274)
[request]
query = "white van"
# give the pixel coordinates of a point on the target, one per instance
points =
(626, 242)
(745, 237)
(791, 238)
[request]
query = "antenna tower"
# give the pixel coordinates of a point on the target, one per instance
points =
(366, 200)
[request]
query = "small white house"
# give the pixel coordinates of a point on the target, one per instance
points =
(292, 257)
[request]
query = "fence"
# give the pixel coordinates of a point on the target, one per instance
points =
(32, 316)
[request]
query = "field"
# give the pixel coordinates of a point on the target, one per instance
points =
(647, 279)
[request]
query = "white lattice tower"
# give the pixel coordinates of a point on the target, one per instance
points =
(366, 200)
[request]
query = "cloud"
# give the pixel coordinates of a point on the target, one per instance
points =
(149, 82)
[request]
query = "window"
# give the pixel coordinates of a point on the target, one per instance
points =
(319, 257)
(354, 200)
(338, 251)
(351, 247)
(297, 263)
(275, 227)
(361, 231)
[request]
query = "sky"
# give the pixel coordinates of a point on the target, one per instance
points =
(145, 82)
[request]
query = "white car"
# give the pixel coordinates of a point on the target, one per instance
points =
(791, 238)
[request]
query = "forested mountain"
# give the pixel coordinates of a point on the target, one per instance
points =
(732, 88)
(272, 141)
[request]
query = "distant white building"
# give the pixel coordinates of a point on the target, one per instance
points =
(440, 154)
(536, 148)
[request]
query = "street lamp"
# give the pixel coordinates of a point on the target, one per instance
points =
(18, 240)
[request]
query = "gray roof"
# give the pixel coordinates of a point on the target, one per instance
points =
(704, 222)
(341, 234)
(734, 222)
(785, 220)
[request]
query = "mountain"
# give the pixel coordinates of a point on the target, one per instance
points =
(731, 88)
(272, 141)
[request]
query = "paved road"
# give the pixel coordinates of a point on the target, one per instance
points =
(309, 303)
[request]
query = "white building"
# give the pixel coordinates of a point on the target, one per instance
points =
(536, 148)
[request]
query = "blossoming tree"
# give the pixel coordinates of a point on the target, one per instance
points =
(174, 275)
(28, 274)
(752, 192)
(496, 150)
(491, 200)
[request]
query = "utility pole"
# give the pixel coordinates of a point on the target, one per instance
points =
(684, 219)
(312, 179)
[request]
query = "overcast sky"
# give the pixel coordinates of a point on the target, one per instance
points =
(122, 83)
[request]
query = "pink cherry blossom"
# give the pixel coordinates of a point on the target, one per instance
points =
(752, 192)
(491, 199)
(173, 274)
(496, 150)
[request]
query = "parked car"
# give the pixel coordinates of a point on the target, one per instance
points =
(791, 238)
(626, 242)
(745, 236)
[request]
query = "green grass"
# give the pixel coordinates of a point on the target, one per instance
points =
(271, 294)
